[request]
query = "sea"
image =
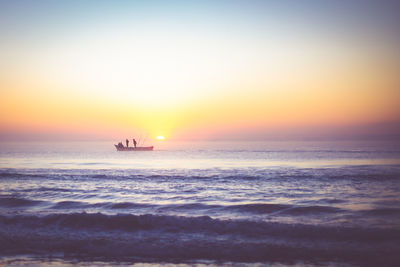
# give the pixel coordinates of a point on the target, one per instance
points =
(302, 203)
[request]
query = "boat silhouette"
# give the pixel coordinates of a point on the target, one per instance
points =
(138, 148)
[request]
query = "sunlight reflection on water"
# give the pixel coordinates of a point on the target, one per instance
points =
(102, 155)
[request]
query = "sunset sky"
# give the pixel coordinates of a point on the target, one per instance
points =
(199, 69)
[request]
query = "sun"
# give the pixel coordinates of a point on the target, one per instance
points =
(160, 137)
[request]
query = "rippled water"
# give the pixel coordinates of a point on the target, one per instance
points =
(223, 203)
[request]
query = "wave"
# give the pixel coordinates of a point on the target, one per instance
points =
(166, 223)
(367, 172)
(70, 205)
(152, 237)
(17, 173)
(13, 202)
(255, 208)
(382, 212)
(256, 174)
(261, 208)
(305, 210)
(127, 205)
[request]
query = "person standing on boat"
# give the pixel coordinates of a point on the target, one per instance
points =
(127, 143)
(134, 142)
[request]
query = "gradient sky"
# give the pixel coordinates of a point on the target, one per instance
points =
(199, 69)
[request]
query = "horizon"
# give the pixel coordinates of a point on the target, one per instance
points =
(229, 70)
(372, 132)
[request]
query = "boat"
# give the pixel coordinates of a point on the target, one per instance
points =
(138, 148)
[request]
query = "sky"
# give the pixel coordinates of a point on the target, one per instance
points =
(199, 70)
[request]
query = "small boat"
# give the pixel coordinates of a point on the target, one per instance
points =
(138, 148)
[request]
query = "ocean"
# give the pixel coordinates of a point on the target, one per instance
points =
(202, 204)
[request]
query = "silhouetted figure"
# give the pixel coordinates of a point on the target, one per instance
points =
(120, 145)
(127, 143)
(134, 142)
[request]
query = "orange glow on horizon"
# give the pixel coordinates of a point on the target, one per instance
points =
(133, 77)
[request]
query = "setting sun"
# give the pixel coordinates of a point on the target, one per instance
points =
(213, 132)
(112, 73)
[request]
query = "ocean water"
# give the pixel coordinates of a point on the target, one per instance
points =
(215, 203)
